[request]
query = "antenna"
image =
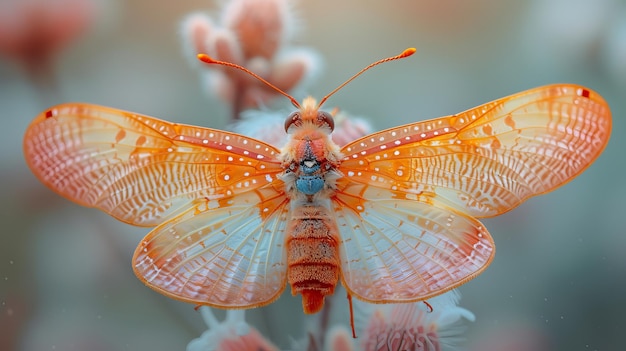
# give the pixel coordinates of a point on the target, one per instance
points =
(208, 59)
(406, 53)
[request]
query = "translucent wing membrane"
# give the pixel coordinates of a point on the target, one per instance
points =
(402, 250)
(227, 255)
(487, 160)
(139, 169)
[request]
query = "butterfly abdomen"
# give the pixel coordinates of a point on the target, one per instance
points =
(312, 255)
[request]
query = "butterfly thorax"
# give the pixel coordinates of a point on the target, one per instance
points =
(310, 158)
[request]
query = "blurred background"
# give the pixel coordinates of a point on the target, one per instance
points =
(558, 281)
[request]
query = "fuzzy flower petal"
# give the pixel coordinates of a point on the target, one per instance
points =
(260, 25)
(411, 326)
(254, 34)
(233, 334)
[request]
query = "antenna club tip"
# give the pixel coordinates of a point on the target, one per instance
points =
(205, 58)
(408, 52)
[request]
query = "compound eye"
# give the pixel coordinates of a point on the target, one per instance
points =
(325, 118)
(293, 119)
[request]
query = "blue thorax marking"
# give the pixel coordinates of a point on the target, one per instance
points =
(309, 183)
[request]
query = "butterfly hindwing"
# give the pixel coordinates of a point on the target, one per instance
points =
(229, 254)
(398, 250)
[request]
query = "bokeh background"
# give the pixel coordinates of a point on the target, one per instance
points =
(558, 281)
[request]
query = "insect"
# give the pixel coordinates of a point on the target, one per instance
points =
(392, 215)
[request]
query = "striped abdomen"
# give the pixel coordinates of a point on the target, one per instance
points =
(312, 255)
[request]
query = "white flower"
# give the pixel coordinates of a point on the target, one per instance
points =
(409, 326)
(233, 334)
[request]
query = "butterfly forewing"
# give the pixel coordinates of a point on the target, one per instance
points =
(487, 160)
(139, 169)
(230, 255)
(396, 250)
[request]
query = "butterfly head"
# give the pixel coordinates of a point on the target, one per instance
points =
(308, 116)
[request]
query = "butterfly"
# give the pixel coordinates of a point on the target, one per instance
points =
(393, 216)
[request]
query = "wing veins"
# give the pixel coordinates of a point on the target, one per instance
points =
(222, 270)
(389, 209)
